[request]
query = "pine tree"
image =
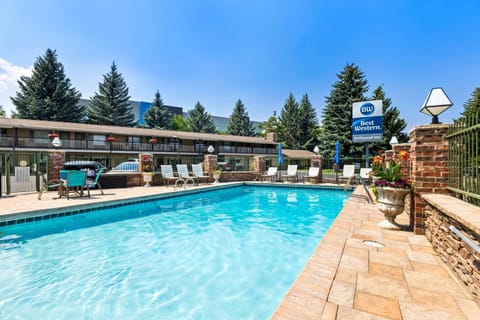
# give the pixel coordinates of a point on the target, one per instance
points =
(291, 124)
(239, 123)
(2, 112)
(48, 94)
(110, 106)
(309, 121)
(473, 104)
(199, 120)
(158, 116)
(337, 114)
(393, 125)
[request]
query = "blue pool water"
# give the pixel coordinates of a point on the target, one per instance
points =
(226, 254)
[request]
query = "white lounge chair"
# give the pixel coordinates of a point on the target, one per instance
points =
(167, 174)
(291, 173)
(348, 172)
(182, 170)
(271, 174)
(313, 174)
(197, 171)
(365, 174)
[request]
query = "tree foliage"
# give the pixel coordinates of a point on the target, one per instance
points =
(297, 123)
(350, 87)
(110, 105)
(158, 116)
(290, 123)
(2, 112)
(272, 125)
(48, 93)
(473, 104)
(199, 120)
(393, 125)
(239, 123)
(309, 120)
(179, 123)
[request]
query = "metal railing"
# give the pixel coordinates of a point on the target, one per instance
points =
(464, 157)
(69, 144)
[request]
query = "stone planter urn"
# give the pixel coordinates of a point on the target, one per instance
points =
(216, 176)
(391, 202)
(147, 178)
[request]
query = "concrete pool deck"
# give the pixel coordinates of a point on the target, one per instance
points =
(345, 278)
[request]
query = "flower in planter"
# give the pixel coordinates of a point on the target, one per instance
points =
(389, 173)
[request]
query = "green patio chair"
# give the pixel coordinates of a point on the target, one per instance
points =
(76, 181)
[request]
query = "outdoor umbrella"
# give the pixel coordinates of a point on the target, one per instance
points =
(280, 155)
(336, 158)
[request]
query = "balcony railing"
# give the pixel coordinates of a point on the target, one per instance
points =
(45, 143)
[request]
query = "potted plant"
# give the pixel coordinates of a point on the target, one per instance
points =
(216, 175)
(390, 188)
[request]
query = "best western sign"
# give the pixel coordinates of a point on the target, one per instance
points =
(367, 123)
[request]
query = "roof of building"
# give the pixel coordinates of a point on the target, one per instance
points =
(125, 131)
(297, 154)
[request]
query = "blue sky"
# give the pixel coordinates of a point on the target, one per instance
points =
(216, 52)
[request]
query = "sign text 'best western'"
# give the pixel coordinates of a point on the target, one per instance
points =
(367, 125)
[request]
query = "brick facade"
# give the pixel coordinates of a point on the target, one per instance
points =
(56, 162)
(317, 161)
(259, 165)
(429, 167)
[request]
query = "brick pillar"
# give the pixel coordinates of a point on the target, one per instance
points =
(259, 165)
(429, 165)
(210, 164)
(56, 161)
(317, 161)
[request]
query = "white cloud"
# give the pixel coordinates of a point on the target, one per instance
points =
(9, 74)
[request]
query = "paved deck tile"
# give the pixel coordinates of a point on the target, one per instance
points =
(345, 278)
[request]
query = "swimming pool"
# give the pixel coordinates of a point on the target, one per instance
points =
(230, 253)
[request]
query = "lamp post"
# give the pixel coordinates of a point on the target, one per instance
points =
(436, 102)
(211, 149)
(56, 142)
(393, 141)
(316, 150)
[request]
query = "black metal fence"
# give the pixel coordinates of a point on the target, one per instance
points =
(464, 157)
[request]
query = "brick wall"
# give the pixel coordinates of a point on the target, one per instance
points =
(317, 161)
(56, 162)
(230, 176)
(458, 256)
(429, 167)
(259, 165)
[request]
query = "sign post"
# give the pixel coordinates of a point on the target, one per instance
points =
(367, 123)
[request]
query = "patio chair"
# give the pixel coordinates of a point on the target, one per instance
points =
(291, 173)
(348, 172)
(75, 182)
(313, 175)
(182, 170)
(197, 171)
(95, 182)
(167, 174)
(271, 174)
(365, 174)
(52, 184)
